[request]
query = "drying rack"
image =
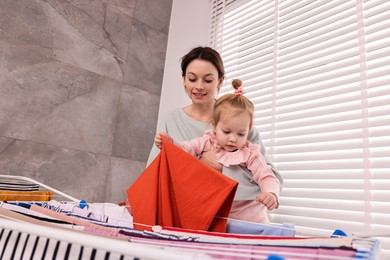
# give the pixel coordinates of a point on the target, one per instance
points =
(62, 241)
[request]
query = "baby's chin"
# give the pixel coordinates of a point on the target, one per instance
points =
(230, 149)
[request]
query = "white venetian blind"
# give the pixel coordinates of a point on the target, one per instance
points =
(318, 73)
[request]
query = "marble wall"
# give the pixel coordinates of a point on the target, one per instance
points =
(80, 83)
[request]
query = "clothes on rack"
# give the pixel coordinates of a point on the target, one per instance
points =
(243, 251)
(17, 184)
(16, 195)
(65, 229)
(212, 245)
(22, 209)
(107, 213)
(235, 226)
(22, 237)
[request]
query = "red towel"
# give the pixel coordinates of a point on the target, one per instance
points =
(177, 190)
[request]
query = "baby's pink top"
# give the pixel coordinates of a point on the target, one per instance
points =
(248, 156)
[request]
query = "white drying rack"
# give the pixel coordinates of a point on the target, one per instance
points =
(126, 250)
(11, 246)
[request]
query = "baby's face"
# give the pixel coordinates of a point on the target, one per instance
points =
(232, 130)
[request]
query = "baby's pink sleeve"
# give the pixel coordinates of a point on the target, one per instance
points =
(262, 173)
(194, 147)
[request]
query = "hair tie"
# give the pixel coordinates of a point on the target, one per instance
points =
(237, 85)
(239, 91)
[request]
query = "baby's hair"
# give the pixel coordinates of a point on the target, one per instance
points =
(237, 101)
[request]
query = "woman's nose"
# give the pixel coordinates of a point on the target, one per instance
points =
(199, 85)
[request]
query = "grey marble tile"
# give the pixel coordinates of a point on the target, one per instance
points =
(79, 174)
(92, 35)
(4, 143)
(122, 175)
(51, 102)
(24, 23)
(146, 57)
(155, 13)
(125, 6)
(136, 124)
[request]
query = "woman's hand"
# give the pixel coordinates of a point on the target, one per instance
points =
(269, 200)
(158, 139)
(209, 158)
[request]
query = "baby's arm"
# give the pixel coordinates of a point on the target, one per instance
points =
(194, 147)
(158, 139)
(264, 177)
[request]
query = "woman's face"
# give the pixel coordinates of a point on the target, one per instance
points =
(201, 82)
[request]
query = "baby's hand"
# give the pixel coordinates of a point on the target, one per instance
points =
(268, 199)
(158, 139)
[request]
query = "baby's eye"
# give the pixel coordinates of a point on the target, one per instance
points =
(226, 132)
(241, 135)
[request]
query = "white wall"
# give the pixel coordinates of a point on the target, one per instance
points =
(189, 27)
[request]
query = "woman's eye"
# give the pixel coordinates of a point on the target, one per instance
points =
(192, 80)
(208, 81)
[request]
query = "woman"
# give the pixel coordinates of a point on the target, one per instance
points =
(203, 75)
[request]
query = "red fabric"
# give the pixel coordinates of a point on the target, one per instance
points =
(177, 190)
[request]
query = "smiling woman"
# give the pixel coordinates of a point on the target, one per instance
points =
(203, 74)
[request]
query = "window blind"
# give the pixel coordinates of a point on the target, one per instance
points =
(318, 73)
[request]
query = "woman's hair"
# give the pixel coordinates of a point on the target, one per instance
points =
(237, 101)
(203, 53)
